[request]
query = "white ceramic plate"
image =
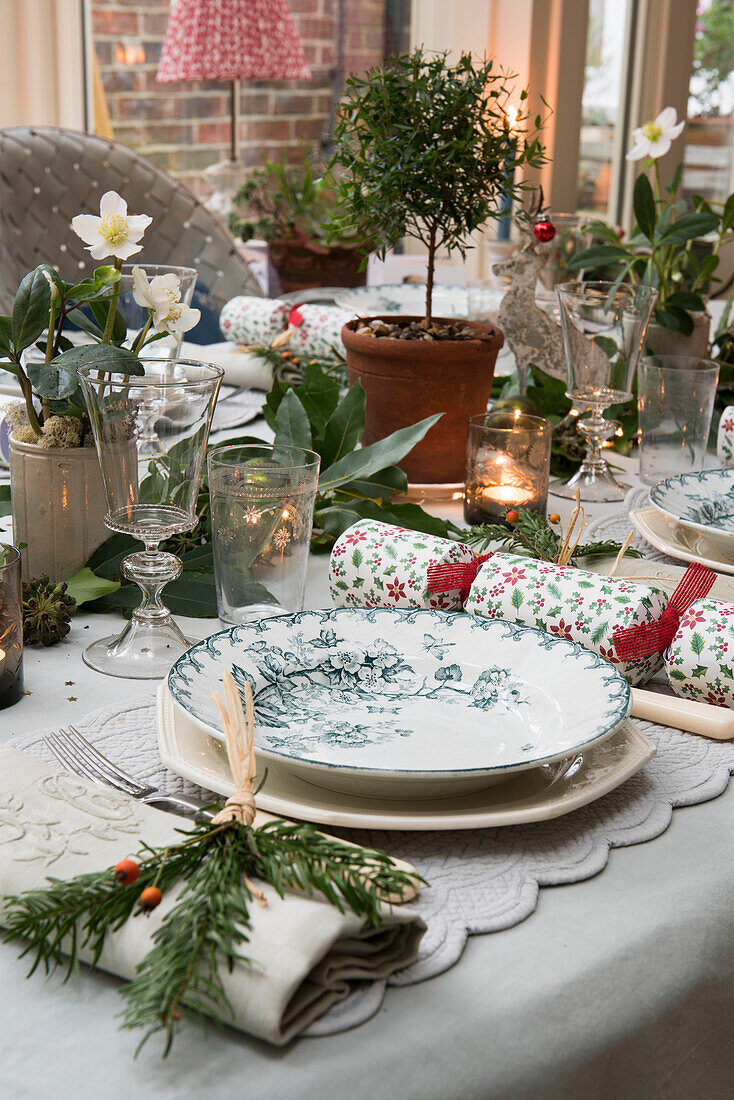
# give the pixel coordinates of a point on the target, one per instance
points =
(407, 298)
(537, 795)
(406, 701)
(702, 502)
(678, 541)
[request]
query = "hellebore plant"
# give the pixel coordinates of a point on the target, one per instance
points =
(44, 303)
(661, 251)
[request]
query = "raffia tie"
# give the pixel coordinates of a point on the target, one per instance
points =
(239, 732)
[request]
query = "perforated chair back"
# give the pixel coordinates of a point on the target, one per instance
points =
(47, 175)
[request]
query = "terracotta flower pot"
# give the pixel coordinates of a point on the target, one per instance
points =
(300, 267)
(407, 380)
(58, 507)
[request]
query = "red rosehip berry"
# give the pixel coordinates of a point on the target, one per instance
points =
(150, 898)
(127, 872)
(512, 516)
(554, 518)
(544, 231)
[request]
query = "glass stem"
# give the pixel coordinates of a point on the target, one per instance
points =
(595, 430)
(151, 569)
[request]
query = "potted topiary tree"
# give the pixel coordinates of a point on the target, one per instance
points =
(287, 205)
(428, 149)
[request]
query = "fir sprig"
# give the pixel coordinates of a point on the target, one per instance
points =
(210, 920)
(531, 534)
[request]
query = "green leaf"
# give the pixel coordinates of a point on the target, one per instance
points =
(697, 643)
(104, 357)
(700, 670)
(100, 309)
(5, 504)
(599, 256)
(319, 395)
(677, 320)
(676, 674)
(292, 428)
(368, 460)
(107, 558)
(727, 218)
(191, 595)
(6, 335)
(344, 427)
(643, 204)
(54, 380)
(85, 585)
(516, 599)
(30, 309)
(684, 299)
(689, 226)
(357, 558)
(382, 486)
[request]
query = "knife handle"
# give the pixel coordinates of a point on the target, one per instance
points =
(683, 714)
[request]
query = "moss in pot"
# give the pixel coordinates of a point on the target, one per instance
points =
(429, 150)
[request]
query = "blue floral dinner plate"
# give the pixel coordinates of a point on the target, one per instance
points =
(702, 501)
(421, 702)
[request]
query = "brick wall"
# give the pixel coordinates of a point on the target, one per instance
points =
(185, 127)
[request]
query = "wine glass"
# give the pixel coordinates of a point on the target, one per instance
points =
(603, 328)
(151, 495)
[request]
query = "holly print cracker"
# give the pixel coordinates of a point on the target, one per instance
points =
(700, 659)
(375, 564)
(568, 603)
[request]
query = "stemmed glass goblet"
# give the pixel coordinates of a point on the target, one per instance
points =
(603, 327)
(151, 496)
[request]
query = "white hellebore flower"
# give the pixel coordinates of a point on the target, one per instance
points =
(654, 138)
(115, 232)
(162, 295)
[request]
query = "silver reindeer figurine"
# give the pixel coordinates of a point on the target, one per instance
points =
(533, 336)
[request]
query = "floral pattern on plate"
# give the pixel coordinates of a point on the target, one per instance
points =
(700, 659)
(702, 500)
(408, 692)
(568, 603)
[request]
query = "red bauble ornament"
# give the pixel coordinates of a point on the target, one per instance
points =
(544, 231)
(127, 872)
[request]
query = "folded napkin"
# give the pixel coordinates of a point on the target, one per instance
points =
(306, 954)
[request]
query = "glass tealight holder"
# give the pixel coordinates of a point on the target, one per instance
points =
(262, 502)
(507, 465)
(11, 627)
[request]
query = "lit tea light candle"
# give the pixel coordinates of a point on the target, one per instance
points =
(508, 463)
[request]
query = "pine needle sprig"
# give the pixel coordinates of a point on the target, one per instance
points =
(210, 919)
(534, 536)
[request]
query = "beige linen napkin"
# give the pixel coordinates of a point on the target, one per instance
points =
(306, 954)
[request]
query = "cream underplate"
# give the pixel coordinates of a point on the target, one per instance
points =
(537, 795)
(678, 541)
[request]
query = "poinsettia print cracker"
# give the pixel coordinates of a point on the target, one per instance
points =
(375, 564)
(700, 659)
(568, 603)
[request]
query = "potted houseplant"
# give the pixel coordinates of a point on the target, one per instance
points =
(429, 149)
(287, 205)
(57, 496)
(665, 248)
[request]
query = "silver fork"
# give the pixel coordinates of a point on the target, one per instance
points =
(76, 753)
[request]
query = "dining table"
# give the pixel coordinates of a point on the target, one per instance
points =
(619, 985)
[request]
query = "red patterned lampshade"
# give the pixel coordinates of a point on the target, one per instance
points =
(231, 40)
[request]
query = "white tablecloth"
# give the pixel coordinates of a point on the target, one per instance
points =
(620, 986)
